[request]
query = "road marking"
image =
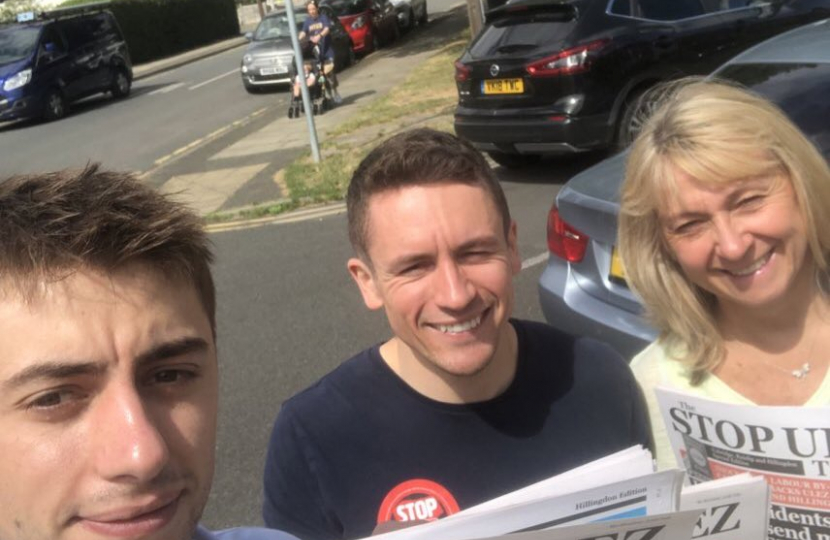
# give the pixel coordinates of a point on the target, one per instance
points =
(317, 212)
(201, 84)
(533, 261)
(166, 89)
(160, 162)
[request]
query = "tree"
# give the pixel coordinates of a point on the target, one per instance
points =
(10, 8)
(475, 15)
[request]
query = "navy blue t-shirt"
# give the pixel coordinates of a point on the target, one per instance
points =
(361, 447)
(313, 27)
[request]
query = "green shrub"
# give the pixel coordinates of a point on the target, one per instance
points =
(158, 28)
(10, 9)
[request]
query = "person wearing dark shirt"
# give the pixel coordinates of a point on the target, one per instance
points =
(463, 403)
(317, 27)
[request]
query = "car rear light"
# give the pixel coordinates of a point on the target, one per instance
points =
(462, 72)
(563, 240)
(567, 62)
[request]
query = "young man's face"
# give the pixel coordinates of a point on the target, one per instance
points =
(108, 396)
(442, 267)
(312, 11)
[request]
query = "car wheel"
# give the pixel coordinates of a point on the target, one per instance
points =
(410, 19)
(54, 106)
(396, 32)
(631, 121)
(514, 161)
(375, 42)
(424, 16)
(120, 85)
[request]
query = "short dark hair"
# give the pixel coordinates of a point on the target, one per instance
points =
(54, 224)
(413, 158)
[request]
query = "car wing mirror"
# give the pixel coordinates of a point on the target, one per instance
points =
(249, 36)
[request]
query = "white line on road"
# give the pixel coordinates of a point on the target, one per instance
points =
(201, 84)
(533, 261)
(166, 89)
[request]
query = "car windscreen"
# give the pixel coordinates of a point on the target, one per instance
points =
(349, 7)
(277, 26)
(523, 32)
(799, 89)
(17, 43)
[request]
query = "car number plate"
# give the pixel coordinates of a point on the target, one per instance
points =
(616, 272)
(273, 70)
(503, 86)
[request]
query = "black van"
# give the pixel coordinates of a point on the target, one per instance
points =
(59, 57)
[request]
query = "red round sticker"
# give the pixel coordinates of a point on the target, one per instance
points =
(418, 499)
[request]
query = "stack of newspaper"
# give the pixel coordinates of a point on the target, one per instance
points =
(788, 446)
(619, 497)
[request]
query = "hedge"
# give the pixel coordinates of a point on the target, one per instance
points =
(157, 28)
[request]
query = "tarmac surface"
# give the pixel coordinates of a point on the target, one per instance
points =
(233, 168)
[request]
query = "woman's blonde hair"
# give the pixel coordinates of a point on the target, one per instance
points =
(714, 132)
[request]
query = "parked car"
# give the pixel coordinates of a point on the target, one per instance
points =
(410, 12)
(58, 57)
(582, 290)
(268, 57)
(563, 76)
(370, 23)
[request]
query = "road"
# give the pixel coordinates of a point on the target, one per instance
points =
(165, 113)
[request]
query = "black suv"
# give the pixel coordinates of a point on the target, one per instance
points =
(59, 57)
(563, 76)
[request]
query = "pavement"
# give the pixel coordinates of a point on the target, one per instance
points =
(241, 165)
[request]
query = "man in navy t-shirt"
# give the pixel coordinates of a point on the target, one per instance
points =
(317, 27)
(463, 403)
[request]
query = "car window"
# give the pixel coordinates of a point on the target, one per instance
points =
(102, 27)
(81, 31)
(17, 43)
(276, 26)
(660, 10)
(51, 43)
(349, 7)
(272, 28)
(799, 89)
(523, 33)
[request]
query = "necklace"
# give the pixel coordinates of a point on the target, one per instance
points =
(799, 373)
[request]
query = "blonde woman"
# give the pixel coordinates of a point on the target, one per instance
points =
(725, 234)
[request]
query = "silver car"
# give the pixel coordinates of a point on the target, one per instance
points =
(268, 58)
(583, 290)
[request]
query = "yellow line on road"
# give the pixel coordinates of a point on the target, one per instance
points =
(162, 161)
(316, 212)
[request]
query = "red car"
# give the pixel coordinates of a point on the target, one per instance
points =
(370, 23)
